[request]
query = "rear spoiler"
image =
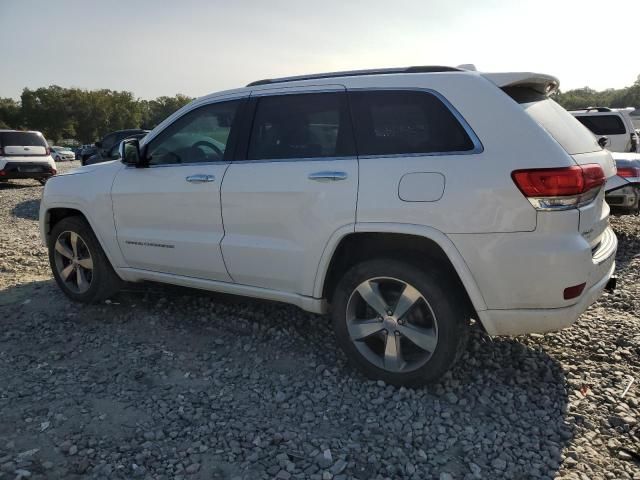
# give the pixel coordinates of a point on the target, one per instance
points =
(540, 82)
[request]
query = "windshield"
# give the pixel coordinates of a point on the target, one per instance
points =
(574, 137)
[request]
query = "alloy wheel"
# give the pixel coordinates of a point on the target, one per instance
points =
(73, 262)
(391, 324)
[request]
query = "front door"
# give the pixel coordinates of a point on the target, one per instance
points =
(168, 216)
(295, 187)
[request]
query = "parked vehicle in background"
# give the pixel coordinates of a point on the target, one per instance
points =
(86, 152)
(62, 154)
(613, 123)
(623, 190)
(112, 154)
(405, 201)
(25, 155)
(103, 147)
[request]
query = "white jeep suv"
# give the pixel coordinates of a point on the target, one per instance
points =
(404, 201)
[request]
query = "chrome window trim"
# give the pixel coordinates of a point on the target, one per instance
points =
(477, 144)
(190, 164)
(309, 89)
(298, 159)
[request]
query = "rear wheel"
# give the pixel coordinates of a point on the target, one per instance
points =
(79, 265)
(43, 180)
(398, 323)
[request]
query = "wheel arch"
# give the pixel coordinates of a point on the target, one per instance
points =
(54, 213)
(348, 247)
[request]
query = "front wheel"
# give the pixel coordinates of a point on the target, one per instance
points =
(79, 265)
(399, 323)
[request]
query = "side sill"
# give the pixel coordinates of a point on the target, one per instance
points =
(309, 304)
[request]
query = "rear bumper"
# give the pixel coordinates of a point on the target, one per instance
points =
(15, 170)
(520, 322)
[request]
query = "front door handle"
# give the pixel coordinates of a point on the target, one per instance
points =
(200, 178)
(327, 176)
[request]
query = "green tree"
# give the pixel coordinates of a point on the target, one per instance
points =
(155, 111)
(10, 113)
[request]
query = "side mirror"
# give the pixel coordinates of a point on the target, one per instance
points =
(98, 144)
(130, 153)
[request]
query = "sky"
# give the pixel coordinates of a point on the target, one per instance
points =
(196, 47)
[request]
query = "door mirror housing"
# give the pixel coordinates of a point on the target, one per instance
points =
(130, 153)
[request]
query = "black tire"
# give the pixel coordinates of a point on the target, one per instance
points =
(104, 281)
(439, 293)
(43, 180)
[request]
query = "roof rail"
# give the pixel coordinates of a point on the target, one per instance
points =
(598, 109)
(357, 73)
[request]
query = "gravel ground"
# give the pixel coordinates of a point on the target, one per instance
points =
(168, 383)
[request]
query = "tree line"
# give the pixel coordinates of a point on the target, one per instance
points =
(588, 97)
(84, 115)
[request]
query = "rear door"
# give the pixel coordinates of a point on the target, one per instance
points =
(22, 144)
(296, 186)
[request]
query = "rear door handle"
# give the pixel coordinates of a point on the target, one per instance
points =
(200, 178)
(327, 176)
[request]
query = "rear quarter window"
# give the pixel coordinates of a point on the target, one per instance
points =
(405, 122)
(603, 124)
(21, 139)
(572, 136)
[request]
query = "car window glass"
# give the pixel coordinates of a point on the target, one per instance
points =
(199, 136)
(301, 126)
(21, 139)
(603, 124)
(404, 122)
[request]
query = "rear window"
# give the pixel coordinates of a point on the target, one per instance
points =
(603, 124)
(559, 123)
(404, 122)
(21, 139)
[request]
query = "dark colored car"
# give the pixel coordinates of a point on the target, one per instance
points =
(104, 146)
(113, 153)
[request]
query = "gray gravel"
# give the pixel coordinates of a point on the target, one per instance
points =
(169, 383)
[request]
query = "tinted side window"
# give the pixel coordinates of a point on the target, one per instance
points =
(397, 122)
(198, 136)
(603, 124)
(301, 126)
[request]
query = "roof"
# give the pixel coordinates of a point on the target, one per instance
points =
(356, 73)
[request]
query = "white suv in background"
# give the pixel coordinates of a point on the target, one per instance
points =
(25, 155)
(613, 123)
(404, 201)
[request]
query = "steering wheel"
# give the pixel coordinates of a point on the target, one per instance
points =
(204, 143)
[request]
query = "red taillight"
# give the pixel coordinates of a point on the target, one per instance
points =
(628, 172)
(567, 187)
(2, 173)
(53, 171)
(573, 292)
